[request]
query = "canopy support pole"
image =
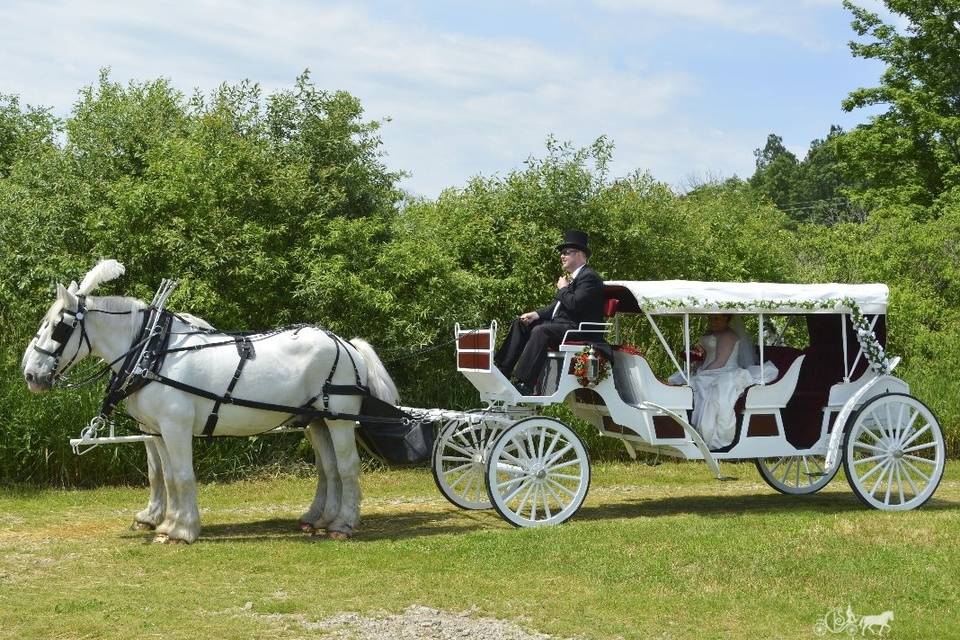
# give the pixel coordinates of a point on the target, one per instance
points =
(666, 347)
(760, 331)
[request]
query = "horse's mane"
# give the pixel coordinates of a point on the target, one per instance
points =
(119, 304)
(122, 304)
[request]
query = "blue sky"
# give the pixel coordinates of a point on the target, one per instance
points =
(686, 89)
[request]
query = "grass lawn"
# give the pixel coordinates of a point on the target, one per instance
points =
(655, 552)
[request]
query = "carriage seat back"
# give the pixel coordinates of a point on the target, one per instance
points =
(776, 394)
(636, 383)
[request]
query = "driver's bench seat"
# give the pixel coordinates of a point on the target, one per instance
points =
(550, 377)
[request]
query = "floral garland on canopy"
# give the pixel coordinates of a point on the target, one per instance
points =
(872, 349)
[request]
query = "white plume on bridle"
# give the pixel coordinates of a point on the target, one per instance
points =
(104, 271)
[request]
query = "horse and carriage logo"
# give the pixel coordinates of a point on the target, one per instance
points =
(847, 622)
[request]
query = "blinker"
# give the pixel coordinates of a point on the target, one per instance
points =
(61, 332)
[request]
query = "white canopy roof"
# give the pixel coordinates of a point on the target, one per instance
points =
(679, 296)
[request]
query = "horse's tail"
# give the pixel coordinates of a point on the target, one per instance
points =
(378, 380)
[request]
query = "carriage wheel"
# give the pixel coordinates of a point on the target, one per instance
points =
(538, 473)
(894, 453)
(459, 460)
(796, 475)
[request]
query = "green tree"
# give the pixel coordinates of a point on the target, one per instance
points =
(910, 153)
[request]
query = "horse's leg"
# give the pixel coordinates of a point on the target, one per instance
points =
(182, 523)
(348, 468)
(331, 507)
(325, 462)
(170, 506)
(153, 515)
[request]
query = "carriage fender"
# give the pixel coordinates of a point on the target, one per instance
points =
(692, 433)
(887, 382)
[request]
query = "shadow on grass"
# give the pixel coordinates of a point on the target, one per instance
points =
(415, 524)
(374, 527)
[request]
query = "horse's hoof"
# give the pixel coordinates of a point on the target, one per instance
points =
(142, 526)
(306, 527)
(338, 535)
(161, 538)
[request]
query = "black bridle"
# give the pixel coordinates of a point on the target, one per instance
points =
(61, 334)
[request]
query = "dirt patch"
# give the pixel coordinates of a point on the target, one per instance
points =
(415, 623)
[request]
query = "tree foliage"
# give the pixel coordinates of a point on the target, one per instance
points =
(910, 153)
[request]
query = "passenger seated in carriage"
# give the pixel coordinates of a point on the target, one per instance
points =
(729, 366)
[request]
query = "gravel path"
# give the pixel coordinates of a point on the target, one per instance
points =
(415, 623)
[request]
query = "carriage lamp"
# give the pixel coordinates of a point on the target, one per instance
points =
(593, 366)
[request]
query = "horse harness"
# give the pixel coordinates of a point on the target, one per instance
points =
(144, 360)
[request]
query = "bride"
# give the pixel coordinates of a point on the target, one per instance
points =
(729, 366)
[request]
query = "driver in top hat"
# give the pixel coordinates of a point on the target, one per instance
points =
(579, 298)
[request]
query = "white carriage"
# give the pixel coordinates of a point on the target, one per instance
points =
(834, 401)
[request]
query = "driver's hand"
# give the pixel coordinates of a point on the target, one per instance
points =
(528, 317)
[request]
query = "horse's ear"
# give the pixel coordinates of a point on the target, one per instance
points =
(67, 296)
(73, 286)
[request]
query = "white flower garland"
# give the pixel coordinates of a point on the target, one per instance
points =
(872, 349)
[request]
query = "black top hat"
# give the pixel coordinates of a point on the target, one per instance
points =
(575, 239)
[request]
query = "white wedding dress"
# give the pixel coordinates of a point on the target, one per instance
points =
(715, 391)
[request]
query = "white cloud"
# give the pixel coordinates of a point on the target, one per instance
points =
(788, 20)
(460, 104)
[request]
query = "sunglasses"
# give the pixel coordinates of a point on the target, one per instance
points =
(568, 252)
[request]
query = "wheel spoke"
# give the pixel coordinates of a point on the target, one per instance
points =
(546, 503)
(906, 474)
(878, 467)
(817, 466)
(868, 447)
(511, 481)
(564, 465)
(463, 476)
(558, 455)
(908, 429)
(786, 472)
(515, 460)
(563, 476)
(880, 476)
(886, 498)
(459, 449)
(526, 496)
(517, 449)
(917, 435)
(560, 503)
(806, 469)
(557, 485)
(918, 447)
(870, 432)
(531, 445)
(896, 468)
(524, 482)
(919, 459)
(900, 425)
(917, 471)
(774, 467)
(447, 472)
(882, 456)
(553, 443)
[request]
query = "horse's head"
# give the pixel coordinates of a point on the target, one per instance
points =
(62, 338)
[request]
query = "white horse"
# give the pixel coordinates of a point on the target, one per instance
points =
(290, 368)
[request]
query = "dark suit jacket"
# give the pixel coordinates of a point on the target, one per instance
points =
(580, 301)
